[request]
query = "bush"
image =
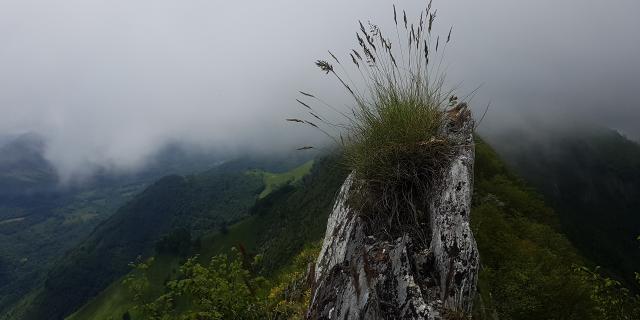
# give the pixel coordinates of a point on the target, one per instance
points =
(226, 288)
(223, 289)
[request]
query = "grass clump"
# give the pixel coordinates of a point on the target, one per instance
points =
(397, 149)
(397, 137)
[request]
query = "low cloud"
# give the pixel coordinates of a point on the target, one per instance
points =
(111, 82)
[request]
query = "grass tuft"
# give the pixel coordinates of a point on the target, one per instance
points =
(395, 137)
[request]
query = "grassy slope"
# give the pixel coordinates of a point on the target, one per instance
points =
(201, 202)
(305, 202)
(41, 220)
(114, 301)
(527, 264)
(29, 248)
(592, 177)
(273, 181)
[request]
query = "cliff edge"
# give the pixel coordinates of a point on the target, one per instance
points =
(360, 276)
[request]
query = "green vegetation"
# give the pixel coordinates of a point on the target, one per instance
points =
(118, 298)
(284, 227)
(196, 203)
(48, 227)
(41, 220)
(395, 138)
(222, 289)
(529, 269)
(225, 288)
(612, 299)
(274, 181)
(232, 244)
(591, 176)
(23, 166)
(396, 152)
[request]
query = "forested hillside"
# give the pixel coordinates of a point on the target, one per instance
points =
(280, 226)
(42, 216)
(40, 219)
(23, 167)
(529, 268)
(591, 176)
(194, 203)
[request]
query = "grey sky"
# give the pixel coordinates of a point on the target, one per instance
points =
(109, 82)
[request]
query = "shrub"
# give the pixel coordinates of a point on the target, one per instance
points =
(226, 288)
(223, 289)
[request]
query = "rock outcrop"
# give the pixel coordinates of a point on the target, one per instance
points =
(361, 277)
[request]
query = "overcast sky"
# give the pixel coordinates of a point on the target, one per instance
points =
(109, 82)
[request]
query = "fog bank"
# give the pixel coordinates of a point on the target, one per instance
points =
(108, 83)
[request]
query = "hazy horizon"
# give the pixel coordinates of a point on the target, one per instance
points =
(110, 83)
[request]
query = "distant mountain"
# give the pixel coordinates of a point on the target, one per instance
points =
(40, 219)
(591, 175)
(28, 196)
(23, 167)
(281, 224)
(172, 209)
(528, 267)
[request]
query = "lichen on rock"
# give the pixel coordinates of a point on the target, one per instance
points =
(364, 276)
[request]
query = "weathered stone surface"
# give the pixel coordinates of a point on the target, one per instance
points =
(361, 277)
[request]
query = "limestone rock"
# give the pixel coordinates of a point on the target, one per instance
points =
(362, 277)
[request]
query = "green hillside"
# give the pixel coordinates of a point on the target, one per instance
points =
(41, 228)
(281, 225)
(196, 203)
(23, 166)
(529, 268)
(171, 217)
(592, 177)
(273, 181)
(42, 218)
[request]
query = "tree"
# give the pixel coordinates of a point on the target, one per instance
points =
(223, 289)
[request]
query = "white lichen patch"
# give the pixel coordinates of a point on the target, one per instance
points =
(361, 277)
